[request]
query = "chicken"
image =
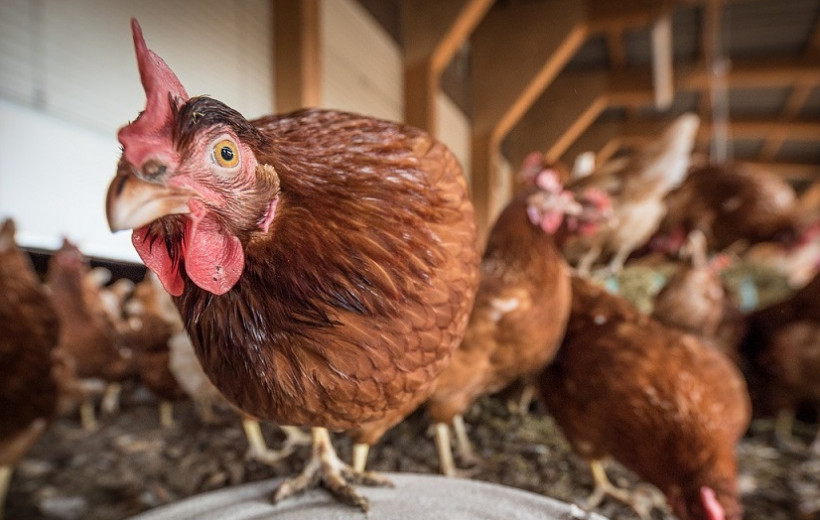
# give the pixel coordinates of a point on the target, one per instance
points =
(28, 336)
(696, 301)
(324, 263)
(783, 342)
(520, 311)
(656, 400)
(731, 203)
(637, 186)
(797, 260)
(88, 336)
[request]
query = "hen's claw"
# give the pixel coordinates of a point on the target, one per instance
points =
(326, 469)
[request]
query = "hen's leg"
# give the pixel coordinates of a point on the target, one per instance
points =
(258, 449)
(88, 417)
(604, 488)
(588, 260)
(618, 261)
(463, 446)
(166, 413)
(360, 451)
(111, 398)
(326, 469)
(783, 426)
(445, 453)
(5, 480)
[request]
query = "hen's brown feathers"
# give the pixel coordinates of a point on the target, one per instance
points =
(352, 302)
(28, 336)
(657, 400)
(519, 315)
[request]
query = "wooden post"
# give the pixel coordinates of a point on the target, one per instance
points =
(297, 51)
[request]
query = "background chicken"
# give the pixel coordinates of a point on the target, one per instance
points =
(783, 341)
(696, 301)
(730, 203)
(28, 336)
(637, 186)
(519, 316)
(323, 263)
(654, 399)
(88, 336)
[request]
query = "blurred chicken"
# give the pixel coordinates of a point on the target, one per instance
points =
(658, 401)
(637, 186)
(731, 203)
(88, 336)
(797, 260)
(783, 342)
(696, 301)
(29, 328)
(520, 312)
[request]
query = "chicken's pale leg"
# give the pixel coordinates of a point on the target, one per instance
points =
(111, 398)
(360, 451)
(445, 453)
(588, 260)
(166, 414)
(324, 468)
(783, 426)
(463, 447)
(88, 417)
(258, 449)
(5, 480)
(604, 488)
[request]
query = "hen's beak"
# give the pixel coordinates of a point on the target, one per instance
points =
(132, 202)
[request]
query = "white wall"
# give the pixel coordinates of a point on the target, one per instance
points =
(63, 96)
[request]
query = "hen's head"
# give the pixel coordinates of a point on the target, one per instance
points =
(189, 182)
(551, 203)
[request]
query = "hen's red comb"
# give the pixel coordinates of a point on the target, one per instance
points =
(162, 87)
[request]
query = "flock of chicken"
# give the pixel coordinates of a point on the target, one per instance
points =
(325, 273)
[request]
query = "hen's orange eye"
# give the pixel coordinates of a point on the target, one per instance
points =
(226, 154)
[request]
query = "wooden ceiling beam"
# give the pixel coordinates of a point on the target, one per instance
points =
(794, 103)
(433, 32)
(514, 59)
(297, 55)
(633, 87)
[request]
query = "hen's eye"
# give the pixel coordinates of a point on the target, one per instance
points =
(226, 154)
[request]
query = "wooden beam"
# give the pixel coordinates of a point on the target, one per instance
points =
(514, 59)
(433, 32)
(791, 109)
(794, 104)
(565, 109)
(663, 79)
(297, 64)
(615, 48)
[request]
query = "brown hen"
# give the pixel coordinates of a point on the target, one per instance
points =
(28, 337)
(654, 399)
(88, 335)
(730, 203)
(324, 263)
(519, 316)
(783, 342)
(696, 301)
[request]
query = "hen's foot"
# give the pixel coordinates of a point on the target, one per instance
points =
(642, 501)
(326, 469)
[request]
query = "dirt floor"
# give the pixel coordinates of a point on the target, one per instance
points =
(130, 464)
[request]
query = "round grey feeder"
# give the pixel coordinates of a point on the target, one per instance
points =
(415, 497)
